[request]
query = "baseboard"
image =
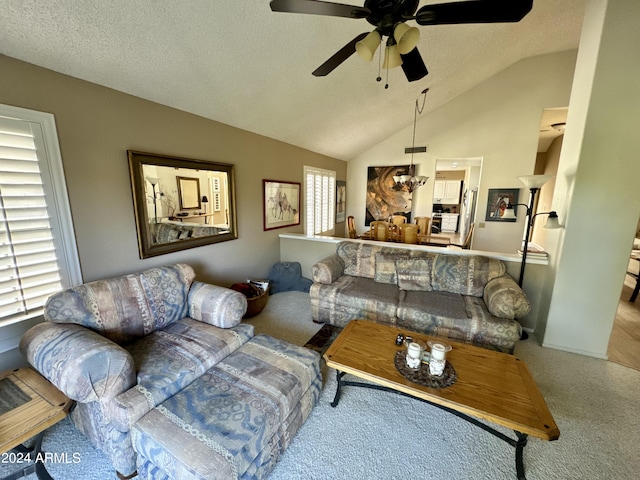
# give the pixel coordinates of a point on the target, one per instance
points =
(576, 351)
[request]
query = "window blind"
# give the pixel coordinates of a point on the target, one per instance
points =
(320, 188)
(29, 270)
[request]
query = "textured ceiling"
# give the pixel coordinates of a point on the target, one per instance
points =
(241, 64)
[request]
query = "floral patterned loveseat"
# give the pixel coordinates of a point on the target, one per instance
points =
(123, 346)
(464, 297)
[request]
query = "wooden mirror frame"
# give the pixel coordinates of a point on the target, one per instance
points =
(147, 247)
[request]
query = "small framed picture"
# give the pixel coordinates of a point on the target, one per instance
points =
(281, 204)
(498, 201)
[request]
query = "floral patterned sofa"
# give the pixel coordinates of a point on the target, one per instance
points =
(126, 348)
(464, 297)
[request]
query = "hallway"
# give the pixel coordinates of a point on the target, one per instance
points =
(624, 344)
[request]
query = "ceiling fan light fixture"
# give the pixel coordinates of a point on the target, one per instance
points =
(392, 58)
(367, 47)
(406, 37)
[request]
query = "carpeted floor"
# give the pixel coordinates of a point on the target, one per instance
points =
(379, 436)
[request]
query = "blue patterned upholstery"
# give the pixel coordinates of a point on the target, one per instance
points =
(84, 365)
(464, 297)
(122, 346)
(126, 308)
(169, 360)
(236, 419)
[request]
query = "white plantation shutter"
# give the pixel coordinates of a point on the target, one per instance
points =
(320, 189)
(33, 262)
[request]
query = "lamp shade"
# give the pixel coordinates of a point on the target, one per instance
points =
(368, 45)
(407, 37)
(205, 199)
(153, 181)
(552, 221)
(392, 57)
(535, 181)
(509, 213)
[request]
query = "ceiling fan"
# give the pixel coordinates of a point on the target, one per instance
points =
(390, 17)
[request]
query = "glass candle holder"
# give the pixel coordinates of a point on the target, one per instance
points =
(438, 358)
(414, 355)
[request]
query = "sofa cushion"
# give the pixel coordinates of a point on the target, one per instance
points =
(125, 308)
(385, 267)
(436, 313)
(465, 274)
(360, 258)
(415, 273)
(460, 317)
(168, 360)
(354, 297)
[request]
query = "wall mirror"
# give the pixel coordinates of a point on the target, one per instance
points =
(181, 203)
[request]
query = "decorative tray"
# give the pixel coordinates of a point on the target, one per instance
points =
(422, 375)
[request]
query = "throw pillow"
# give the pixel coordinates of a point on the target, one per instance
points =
(386, 267)
(414, 274)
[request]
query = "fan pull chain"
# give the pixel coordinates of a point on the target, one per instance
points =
(379, 78)
(386, 85)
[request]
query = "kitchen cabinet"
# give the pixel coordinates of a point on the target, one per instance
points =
(449, 222)
(446, 192)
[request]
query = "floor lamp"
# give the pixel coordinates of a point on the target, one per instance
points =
(154, 182)
(533, 183)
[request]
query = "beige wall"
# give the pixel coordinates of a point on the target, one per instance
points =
(499, 120)
(597, 183)
(548, 164)
(97, 125)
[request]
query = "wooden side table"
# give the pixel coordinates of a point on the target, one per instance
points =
(29, 404)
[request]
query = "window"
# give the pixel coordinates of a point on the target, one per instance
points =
(320, 189)
(38, 255)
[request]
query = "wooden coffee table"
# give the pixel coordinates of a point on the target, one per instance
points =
(29, 404)
(491, 387)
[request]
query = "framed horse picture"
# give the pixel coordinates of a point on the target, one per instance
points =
(281, 204)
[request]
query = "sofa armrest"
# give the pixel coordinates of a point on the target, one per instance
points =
(84, 365)
(218, 306)
(328, 270)
(504, 298)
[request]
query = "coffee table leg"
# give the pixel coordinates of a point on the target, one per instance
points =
(520, 444)
(336, 399)
(38, 466)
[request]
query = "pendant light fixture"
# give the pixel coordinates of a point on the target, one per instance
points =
(411, 181)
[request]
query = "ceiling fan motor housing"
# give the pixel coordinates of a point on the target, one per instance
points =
(386, 14)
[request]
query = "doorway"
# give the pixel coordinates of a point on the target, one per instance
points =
(465, 172)
(624, 342)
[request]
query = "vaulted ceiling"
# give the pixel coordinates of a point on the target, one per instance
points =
(239, 63)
